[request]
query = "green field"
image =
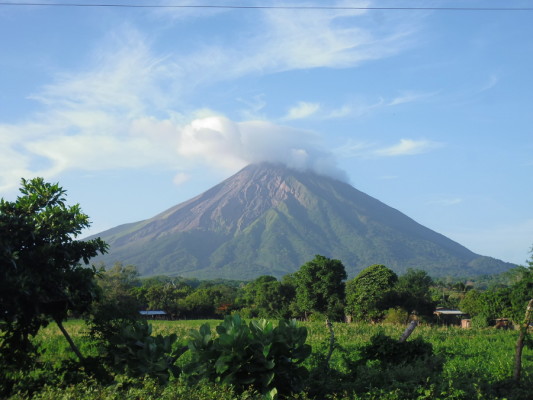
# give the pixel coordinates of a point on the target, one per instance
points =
(467, 364)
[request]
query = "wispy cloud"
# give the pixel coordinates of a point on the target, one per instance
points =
(180, 178)
(183, 12)
(253, 106)
(354, 148)
(302, 110)
(124, 74)
(361, 107)
(408, 147)
(354, 109)
(409, 97)
(283, 40)
(492, 81)
(126, 108)
(447, 201)
(365, 149)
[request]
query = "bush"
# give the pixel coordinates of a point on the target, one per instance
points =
(396, 316)
(391, 352)
(317, 317)
(134, 351)
(146, 389)
(258, 354)
(480, 321)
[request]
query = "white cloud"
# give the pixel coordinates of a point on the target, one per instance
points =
(254, 106)
(180, 178)
(223, 143)
(123, 76)
(361, 107)
(284, 40)
(448, 201)
(181, 12)
(407, 147)
(491, 82)
(409, 97)
(329, 38)
(354, 148)
(355, 109)
(302, 110)
(119, 112)
(344, 111)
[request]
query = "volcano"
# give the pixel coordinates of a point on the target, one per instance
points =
(269, 220)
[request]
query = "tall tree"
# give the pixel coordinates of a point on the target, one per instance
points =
(414, 292)
(522, 291)
(166, 296)
(266, 297)
(320, 287)
(474, 303)
(367, 293)
(117, 302)
(41, 271)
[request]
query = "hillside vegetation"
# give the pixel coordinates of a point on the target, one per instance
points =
(268, 220)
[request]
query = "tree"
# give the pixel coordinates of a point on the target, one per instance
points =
(165, 296)
(117, 285)
(414, 292)
(266, 297)
(223, 297)
(476, 305)
(522, 291)
(502, 301)
(498, 303)
(473, 303)
(320, 287)
(198, 304)
(41, 271)
(367, 293)
(117, 302)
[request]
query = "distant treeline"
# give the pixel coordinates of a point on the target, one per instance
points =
(319, 290)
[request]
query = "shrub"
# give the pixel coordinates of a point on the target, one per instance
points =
(258, 354)
(135, 352)
(396, 316)
(480, 321)
(391, 352)
(317, 317)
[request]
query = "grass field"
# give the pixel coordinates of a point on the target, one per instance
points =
(467, 364)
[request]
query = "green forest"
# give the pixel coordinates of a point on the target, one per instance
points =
(69, 329)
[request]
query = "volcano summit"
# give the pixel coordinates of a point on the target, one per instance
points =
(268, 220)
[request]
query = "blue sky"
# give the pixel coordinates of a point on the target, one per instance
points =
(134, 110)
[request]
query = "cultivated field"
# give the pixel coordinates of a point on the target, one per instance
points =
(466, 364)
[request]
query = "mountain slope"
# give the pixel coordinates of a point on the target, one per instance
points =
(268, 219)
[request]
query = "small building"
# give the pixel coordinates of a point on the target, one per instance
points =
(157, 314)
(466, 323)
(448, 316)
(503, 323)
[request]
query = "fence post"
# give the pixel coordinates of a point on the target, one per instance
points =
(520, 342)
(408, 331)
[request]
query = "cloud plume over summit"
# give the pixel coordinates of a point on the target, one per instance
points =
(225, 143)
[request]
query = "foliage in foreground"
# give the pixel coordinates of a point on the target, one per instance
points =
(466, 364)
(258, 354)
(389, 351)
(42, 279)
(135, 352)
(42, 276)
